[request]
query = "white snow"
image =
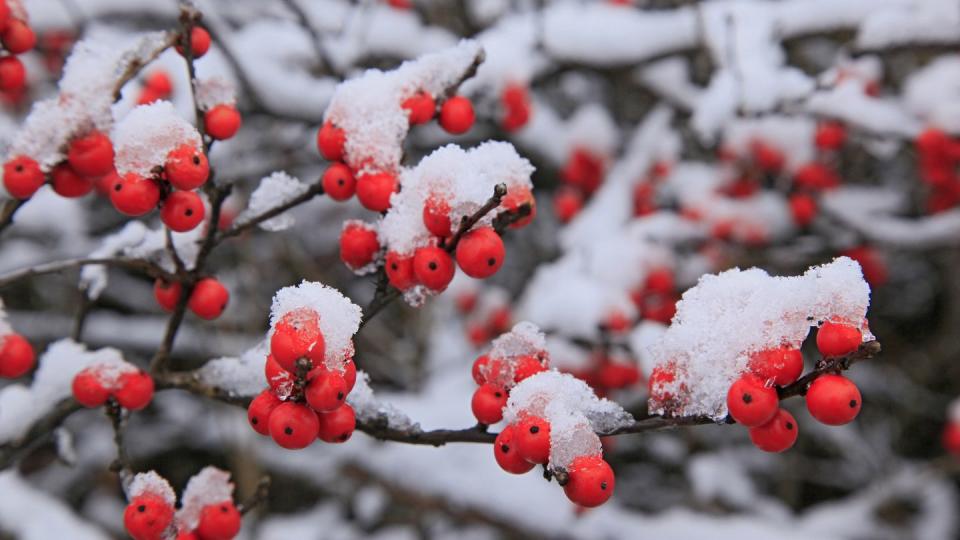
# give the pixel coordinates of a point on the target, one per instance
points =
(339, 317)
(151, 483)
(209, 486)
(370, 409)
(273, 191)
(146, 135)
(241, 376)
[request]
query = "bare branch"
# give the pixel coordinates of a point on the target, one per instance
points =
(139, 265)
(313, 191)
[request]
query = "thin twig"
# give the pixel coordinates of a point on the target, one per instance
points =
(118, 419)
(140, 265)
(40, 430)
(316, 40)
(258, 497)
(239, 228)
(7, 210)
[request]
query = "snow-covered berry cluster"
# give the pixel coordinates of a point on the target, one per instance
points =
(113, 377)
(513, 357)
(17, 356)
(310, 369)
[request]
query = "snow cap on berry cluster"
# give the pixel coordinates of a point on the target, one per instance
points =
(144, 137)
(368, 107)
(215, 91)
(151, 483)
(109, 369)
(574, 411)
(273, 191)
(339, 317)
(209, 486)
(238, 376)
(371, 267)
(729, 316)
(525, 339)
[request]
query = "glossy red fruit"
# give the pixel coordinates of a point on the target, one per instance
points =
(208, 299)
(222, 121)
(326, 392)
(182, 211)
(750, 402)
(258, 413)
(13, 76)
(506, 454)
(591, 481)
(331, 141)
(199, 42)
(526, 366)
(516, 103)
(22, 177)
(830, 135)
(433, 267)
(838, 339)
(436, 216)
(456, 115)
(147, 517)
(782, 365)
(338, 182)
(374, 190)
(337, 426)
(767, 157)
(533, 439)
(91, 154)
(358, 245)
(488, 403)
(279, 379)
(220, 521)
(350, 374)
(88, 390)
(166, 294)
(421, 107)
(803, 209)
(400, 271)
(16, 356)
(777, 435)
(480, 253)
(516, 199)
(159, 81)
(18, 37)
(295, 336)
(68, 183)
(136, 390)
(186, 167)
(294, 426)
(833, 400)
(567, 203)
(479, 368)
(4, 15)
(134, 195)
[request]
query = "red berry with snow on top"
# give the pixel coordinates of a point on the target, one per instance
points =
(480, 253)
(421, 108)
(22, 177)
(777, 435)
(182, 211)
(148, 517)
(186, 167)
(91, 154)
(222, 121)
(220, 521)
(330, 142)
(506, 453)
(456, 115)
(532, 439)
(208, 299)
(750, 402)
(338, 425)
(16, 356)
(259, 410)
(838, 339)
(833, 400)
(488, 403)
(279, 379)
(134, 195)
(88, 390)
(479, 367)
(526, 366)
(136, 390)
(520, 201)
(297, 335)
(358, 245)
(951, 437)
(433, 267)
(294, 426)
(782, 365)
(591, 481)
(338, 182)
(436, 216)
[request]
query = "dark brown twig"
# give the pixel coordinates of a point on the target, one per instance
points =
(258, 497)
(139, 265)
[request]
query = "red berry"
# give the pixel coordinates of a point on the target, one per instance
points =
(768, 158)
(951, 438)
(293, 426)
(296, 335)
(661, 378)
(421, 107)
(330, 142)
(350, 374)
(833, 400)
(166, 294)
(220, 521)
(136, 390)
(479, 366)
(338, 182)
(326, 392)
(499, 319)
(466, 301)
(147, 517)
(516, 104)
(436, 216)
(456, 115)
(258, 413)
(279, 379)
(16, 356)
(182, 211)
(816, 176)
(18, 37)
(199, 42)
(488, 403)
(830, 135)
(659, 280)
(358, 245)
(506, 453)
(134, 195)
(91, 155)
(533, 439)
(616, 321)
(803, 208)
(87, 389)
(159, 81)
(208, 299)
(374, 190)
(433, 267)
(838, 339)
(222, 121)
(514, 200)
(583, 170)
(68, 183)
(590, 481)
(777, 435)
(4, 15)
(567, 203)
(337, 426)
(750, 402)
(13, 76)
(526, 366)
(147, 96)
(782, 365)
(400, 271)
(22, 177)
(480, 253)
(618, 375)
(186, 167)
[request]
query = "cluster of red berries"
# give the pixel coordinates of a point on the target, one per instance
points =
(306, 399)
(89, 158)
(582, 175)
(131, 387)
(496, 376)
(515, 101)
(656, 298)
(831, 398)
(645, 190)
(604, 373)
(17, 38)
(484, 321)
(208, 299)
(16, 356)
(937, 158)
(156, 86)
(151, 516)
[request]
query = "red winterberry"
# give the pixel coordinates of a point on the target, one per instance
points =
(436, 216)
(433, 267)
(330, 142)
(506, 453)
(777, 435)
(293, 426)
(199, 42)
(951, 438)
(830, 135)
(337, 426)
(182, 211)
(659, 280)
(400, 271)
(91, 154)
(258, 413)
(750, 402)
(208, 299)
(4, 15)
(279, 379)
(618, 375)
(767, 157)
(816, 176)
(159, 81)
(782, 365)
(358, 245)
(220, 521)
(374, 190)
(13, 76)
(526, 366)
(479, 367)
(480, 253)
(833, 400)
(567, 203)
(350, 374)
(456, 115)
(88, 390)
(532, 439)
(420, 107)
(590, 481)
(22, 177)
(838, 339)
(147, 517)
(16, 356)
(297, 335)
(186, 167)
(134, 195)
(516, 199)
(222, 121)
(803, 209)
(136, 390)
(488, 403)
(338, 182)
(326, 392)
(166, 294)
(67, 183)
(18, 37)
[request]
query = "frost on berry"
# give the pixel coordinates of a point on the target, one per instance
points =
(209, 486)
(273, 191)
(151, 483)
(147, 134)
(371, 410)
(339, 317)
(215, 91)
(729, 316)
(237, 376)
(525, 339)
